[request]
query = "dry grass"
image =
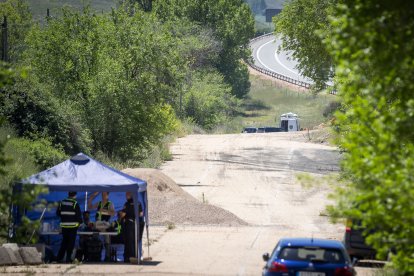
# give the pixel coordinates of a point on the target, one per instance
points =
(268, 101)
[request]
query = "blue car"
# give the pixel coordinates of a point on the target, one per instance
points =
(308, 257)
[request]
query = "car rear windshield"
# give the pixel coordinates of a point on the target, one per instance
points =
(315, 254)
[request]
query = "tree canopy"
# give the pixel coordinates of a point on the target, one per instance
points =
(299, 26)
(372, 44)
(116, 84)
(232, 24)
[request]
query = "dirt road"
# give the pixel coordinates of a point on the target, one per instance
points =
(252, 176)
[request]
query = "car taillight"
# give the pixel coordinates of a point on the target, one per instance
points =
(278, 267)
(344, 271)
(348, 229)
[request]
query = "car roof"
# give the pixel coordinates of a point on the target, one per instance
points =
(295, 242)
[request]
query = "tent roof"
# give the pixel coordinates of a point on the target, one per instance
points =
(82, 173)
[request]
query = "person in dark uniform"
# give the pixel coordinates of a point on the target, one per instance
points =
(70, 217)
(104, 211)
(104, 208)
(128, 215)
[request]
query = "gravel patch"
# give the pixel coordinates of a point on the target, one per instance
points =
(170, 204)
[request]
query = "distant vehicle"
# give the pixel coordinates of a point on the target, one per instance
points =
(249, 130)
(272, 129)
(268, 129)
(354, 242)
(289, 122)
(308, 257)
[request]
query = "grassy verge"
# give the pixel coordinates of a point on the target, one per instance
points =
(267, 102)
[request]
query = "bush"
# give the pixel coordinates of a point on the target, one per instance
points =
(20, 164)
(209, 101)
(330, 109)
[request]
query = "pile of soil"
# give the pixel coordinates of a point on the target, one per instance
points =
(169, 203)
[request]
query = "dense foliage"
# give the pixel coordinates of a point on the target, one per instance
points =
(299, 25)
(19, 21)
(372, 44)
(115, 85)
(112, 83)
(232, 24)
(16, 161)
(209, 101)
(117, 81)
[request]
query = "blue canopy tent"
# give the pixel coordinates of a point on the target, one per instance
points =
(81, 173)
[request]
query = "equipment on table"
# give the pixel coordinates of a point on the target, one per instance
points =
(102, 226)
(93, 248)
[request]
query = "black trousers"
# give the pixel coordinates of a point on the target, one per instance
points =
(68, 243)
(129, 239)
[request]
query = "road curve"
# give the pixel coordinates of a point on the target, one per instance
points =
(265, 55)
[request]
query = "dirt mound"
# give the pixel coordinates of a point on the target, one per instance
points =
(157, 182)
(169, 203)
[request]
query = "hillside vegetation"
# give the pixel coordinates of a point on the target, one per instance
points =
(267, 102)
(118, 83)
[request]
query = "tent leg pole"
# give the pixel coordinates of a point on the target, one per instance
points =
(146, 224)
(86, 201)
(136, 240)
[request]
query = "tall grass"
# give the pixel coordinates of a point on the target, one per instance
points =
(267, 102)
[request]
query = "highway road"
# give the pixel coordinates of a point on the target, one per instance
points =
(265, 55)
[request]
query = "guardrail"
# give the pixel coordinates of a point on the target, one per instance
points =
(274, 74)
(260, 37)
(277, 75)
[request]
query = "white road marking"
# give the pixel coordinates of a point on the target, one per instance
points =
(276, 57)
(284, 66)
(260, 60)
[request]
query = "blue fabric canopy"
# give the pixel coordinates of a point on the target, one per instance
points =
(82, 173)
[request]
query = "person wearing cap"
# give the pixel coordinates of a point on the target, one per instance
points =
(70, 219)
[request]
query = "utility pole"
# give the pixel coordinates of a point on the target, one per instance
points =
(5, 45)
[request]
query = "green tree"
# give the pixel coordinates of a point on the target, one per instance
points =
(372, 44)
(119, 73)
(233, 25)
(19, 20)
(298, 26)
(209, 101)
(15, 163)
(145, 5)
(195, 43)
(36, 114)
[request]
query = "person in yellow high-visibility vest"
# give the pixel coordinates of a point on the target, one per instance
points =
(104, 208)
(104, 211)
(70, 217)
